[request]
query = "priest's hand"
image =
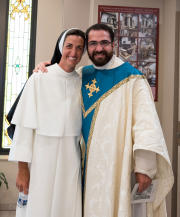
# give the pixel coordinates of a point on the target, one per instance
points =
(144, 181)
(23, 177)
(42, 66)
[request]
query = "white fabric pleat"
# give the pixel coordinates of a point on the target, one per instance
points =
(55, 176)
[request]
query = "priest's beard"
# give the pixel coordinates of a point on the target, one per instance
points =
(100, 61)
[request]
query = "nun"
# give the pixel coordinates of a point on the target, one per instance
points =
(46, 139)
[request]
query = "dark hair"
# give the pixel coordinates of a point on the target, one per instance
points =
(76, 32)
(100, 26)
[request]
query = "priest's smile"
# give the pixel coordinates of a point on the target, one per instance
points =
(100, 55)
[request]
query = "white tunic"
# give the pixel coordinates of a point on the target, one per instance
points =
(48, 126)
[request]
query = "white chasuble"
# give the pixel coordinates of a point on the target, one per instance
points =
(124, 120)
(48, 126)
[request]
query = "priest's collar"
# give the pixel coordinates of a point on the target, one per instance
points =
(105, 66)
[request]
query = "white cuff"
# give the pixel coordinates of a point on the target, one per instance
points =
(145, 163)
(20, 154)
(22, 145)
(150, 173)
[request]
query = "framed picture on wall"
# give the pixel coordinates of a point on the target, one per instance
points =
(136, 40)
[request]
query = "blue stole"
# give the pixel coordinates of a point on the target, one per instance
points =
(103, 83)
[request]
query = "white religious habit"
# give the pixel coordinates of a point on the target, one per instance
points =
(48, 122)
(124, 127)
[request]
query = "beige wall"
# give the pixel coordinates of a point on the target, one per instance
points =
(9, 196)
(169, 95)
(53, 19)
(49, 27)
(76, 14)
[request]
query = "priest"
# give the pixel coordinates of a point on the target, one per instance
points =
(122, 132)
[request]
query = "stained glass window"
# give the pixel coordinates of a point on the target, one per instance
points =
(17, 56)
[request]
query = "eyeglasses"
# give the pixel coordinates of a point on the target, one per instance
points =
(94, 44)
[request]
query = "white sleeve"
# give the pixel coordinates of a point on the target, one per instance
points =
(145, 162)
(22, 145)
(79, 71)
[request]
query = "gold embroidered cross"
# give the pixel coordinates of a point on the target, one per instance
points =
(92, 88)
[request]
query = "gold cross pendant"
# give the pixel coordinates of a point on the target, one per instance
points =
(92, 88)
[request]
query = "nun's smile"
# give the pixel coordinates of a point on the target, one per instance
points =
(72, 52)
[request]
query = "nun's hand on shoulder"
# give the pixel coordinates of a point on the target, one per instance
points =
(42, 66)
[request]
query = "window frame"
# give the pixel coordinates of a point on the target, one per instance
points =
(3, 47)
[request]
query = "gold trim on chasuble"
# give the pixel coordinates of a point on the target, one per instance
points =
(96, 105)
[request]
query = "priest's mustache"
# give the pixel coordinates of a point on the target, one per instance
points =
(101, 52)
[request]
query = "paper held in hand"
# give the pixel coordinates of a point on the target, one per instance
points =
(138, 210)
(145, 196)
